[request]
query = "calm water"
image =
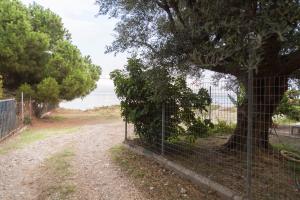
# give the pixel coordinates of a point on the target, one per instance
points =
(104, 95)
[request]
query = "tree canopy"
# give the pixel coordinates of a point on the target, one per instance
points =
(35, 48)
(229, 37)
(223, 36)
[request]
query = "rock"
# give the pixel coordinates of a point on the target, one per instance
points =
(210, 192)
(151, 188)
(183, 191)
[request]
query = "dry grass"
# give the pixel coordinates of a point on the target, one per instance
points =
(273, 177)
(74, 118)
(61, 121)
(55, 183)
(155, 181)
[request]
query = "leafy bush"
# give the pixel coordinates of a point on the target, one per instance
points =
(48, 91)
(290, 105)
(28, 92)
(222, 128)
(27, 120)
(144, 91)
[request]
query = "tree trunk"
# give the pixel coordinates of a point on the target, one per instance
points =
(267, 94)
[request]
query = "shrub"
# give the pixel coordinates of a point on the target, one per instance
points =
(28, 92)
(290, 105)
(222, 128)
(48, 91)
(27, 120)
(143, 92)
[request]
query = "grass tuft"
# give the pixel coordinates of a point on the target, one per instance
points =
(58, 170)
(30, 136)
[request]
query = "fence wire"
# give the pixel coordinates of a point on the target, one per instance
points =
(219, 152)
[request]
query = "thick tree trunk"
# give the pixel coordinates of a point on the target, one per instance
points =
(267, 94)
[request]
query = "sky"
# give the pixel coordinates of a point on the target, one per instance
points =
(89, 33)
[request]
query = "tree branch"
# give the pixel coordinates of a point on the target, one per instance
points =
(224, 69)
(164, 5)
(147, 45)
(174, 5)
(290, 63)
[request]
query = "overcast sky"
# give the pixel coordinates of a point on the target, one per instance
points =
(89, 33)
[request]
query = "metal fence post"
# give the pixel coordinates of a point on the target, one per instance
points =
(163, 115)
(249, 134)
(22, 107)
(30, 109)
(210, 103)
(126, 132)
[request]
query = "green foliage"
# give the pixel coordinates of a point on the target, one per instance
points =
(48, 91)
(143, 91)
(27, 120)
(223, 36)
(45, 21)
(290, 105)
(227, 37)
(241, 95)
(34, 45)
(222, 128)
(76, 75)
(28, 92)
(21, 48)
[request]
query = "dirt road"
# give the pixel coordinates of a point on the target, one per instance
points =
(24, 172)
(95, 176)
(69, 156)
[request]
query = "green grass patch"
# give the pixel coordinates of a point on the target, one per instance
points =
(58, 169)
(213, 107)
(283, 120)
(286, 147)
(30, 136)
(60, 163)
(55, 118)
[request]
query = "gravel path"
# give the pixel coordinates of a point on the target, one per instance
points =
(96, 177)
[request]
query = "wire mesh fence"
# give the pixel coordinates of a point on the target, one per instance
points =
(247, 138)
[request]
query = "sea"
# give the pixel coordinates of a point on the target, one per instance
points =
(104, 95)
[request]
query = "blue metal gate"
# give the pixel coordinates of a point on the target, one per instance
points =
(8, 117)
